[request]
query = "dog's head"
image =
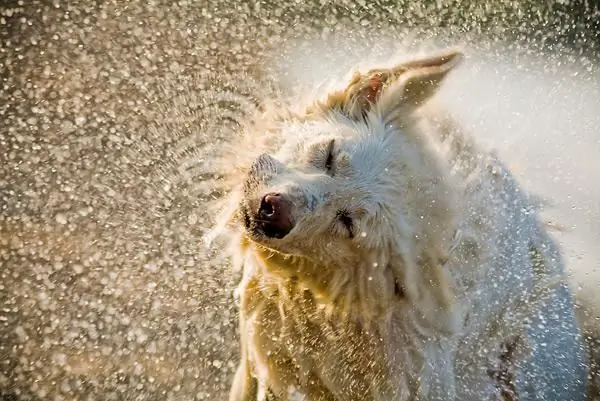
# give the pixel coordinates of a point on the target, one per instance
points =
(355, 174)
(358, 187)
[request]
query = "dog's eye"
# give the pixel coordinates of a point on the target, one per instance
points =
(344, 217)
(329, 159)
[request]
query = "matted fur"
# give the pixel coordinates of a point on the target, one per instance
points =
(443, 264)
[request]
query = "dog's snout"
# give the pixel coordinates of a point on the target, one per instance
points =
(263, 166)
(274, 216)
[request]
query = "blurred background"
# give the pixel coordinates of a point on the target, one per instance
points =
(111, 113)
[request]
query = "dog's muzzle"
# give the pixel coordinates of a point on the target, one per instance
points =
(271, 215)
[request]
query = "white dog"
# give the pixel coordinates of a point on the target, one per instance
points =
(385, 257)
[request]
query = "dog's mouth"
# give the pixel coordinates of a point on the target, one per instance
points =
(269, 218)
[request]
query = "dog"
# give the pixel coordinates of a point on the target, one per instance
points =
(385, 256)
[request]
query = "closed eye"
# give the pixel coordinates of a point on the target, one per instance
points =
(329, 159)
(344, 217)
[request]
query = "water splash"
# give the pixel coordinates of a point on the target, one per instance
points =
(111, 113)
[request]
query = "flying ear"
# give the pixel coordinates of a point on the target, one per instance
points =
(401, 88)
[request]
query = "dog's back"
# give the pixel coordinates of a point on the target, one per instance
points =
(527, 263)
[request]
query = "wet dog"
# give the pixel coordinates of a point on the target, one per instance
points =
(386, 257)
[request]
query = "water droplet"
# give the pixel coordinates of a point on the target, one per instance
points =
(61, 218)
(80, 120)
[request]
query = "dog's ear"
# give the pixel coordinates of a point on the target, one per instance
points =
(400, 89)
(419, 81)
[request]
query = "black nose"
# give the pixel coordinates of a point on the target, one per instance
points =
(274, 216)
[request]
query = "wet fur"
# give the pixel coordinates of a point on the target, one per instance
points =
(452, 262)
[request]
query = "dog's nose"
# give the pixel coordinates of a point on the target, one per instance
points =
(274, 215)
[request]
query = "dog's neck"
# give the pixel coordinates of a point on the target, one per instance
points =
(334, 288)
(307, 273)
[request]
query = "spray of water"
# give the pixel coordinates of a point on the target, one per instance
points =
(112, 115)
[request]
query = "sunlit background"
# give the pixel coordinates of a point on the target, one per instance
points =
(111, 114)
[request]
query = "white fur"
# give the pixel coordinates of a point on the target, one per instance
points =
(447, 262)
